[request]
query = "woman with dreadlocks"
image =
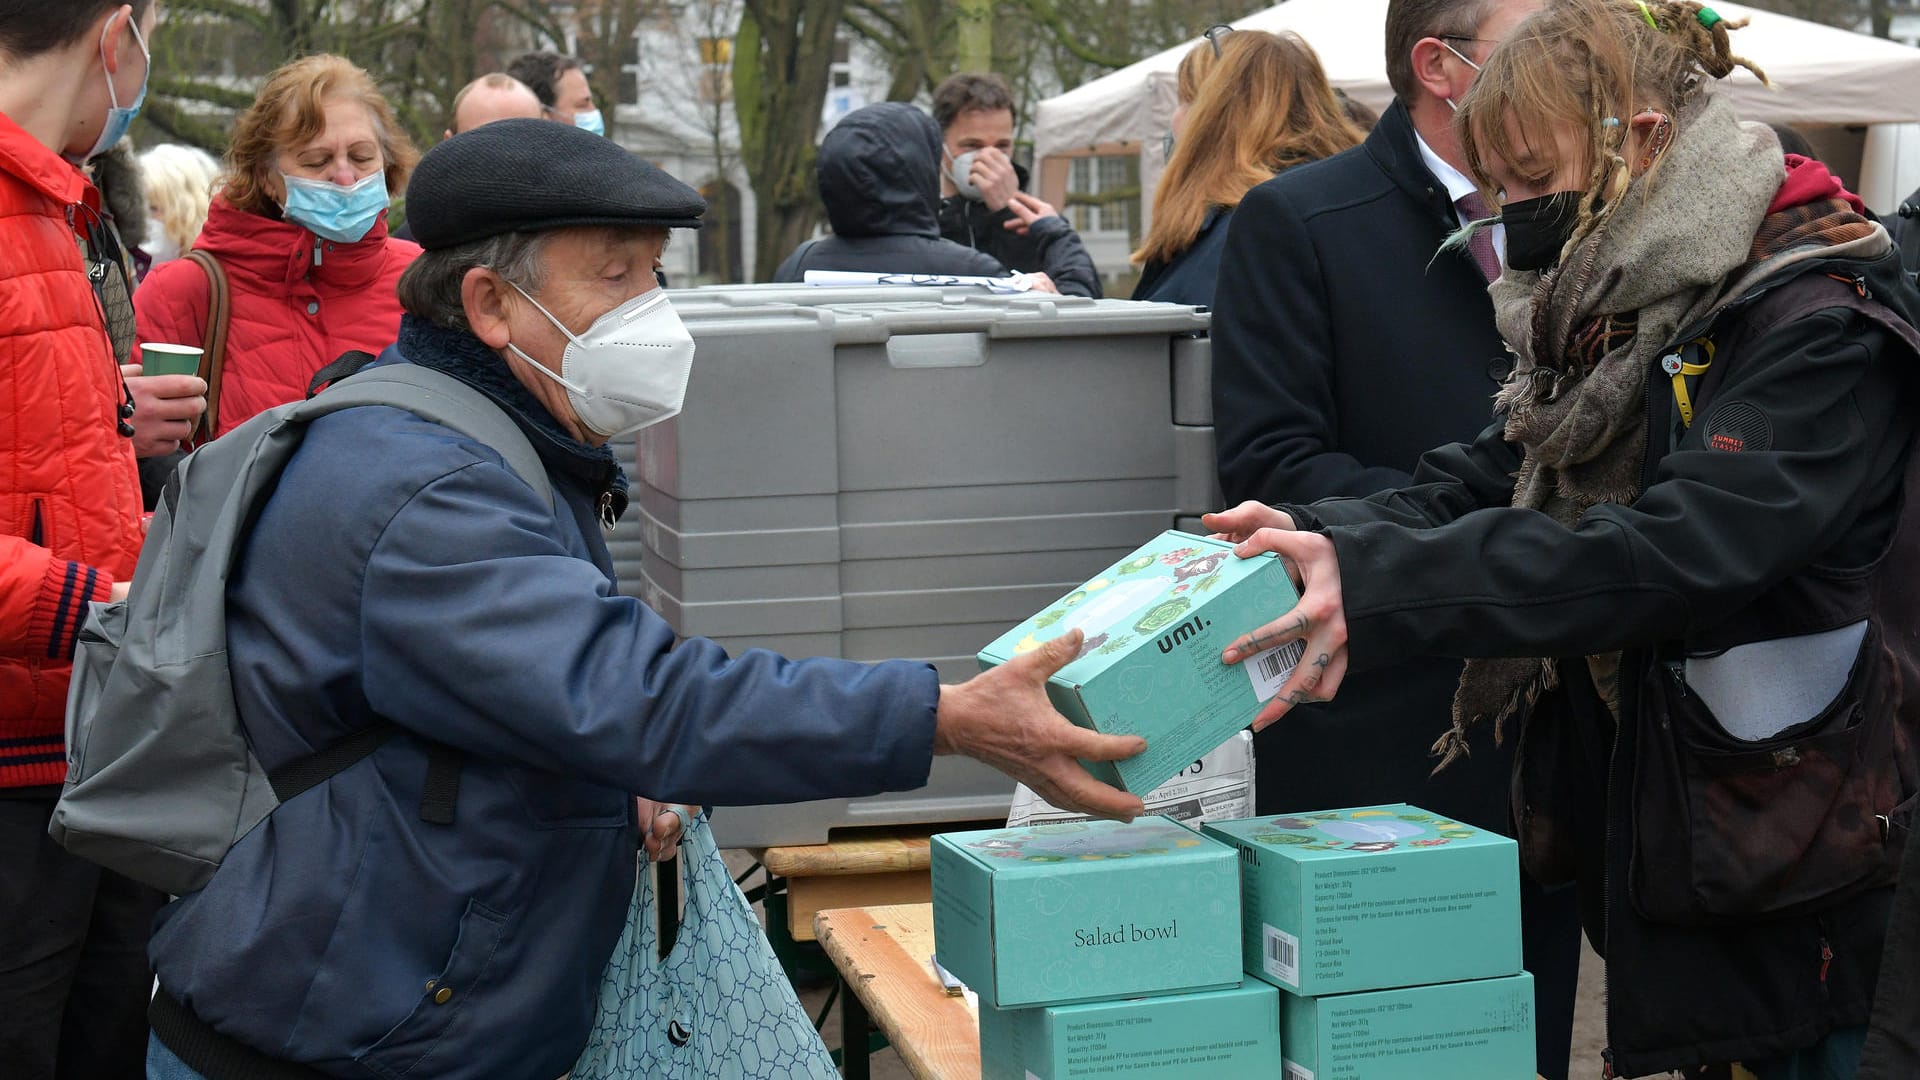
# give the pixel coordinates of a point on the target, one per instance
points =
(1682, 560)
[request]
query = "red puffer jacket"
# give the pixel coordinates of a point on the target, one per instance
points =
(69, 492)
(298, 303)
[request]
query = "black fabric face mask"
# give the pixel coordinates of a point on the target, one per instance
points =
(1538, 228)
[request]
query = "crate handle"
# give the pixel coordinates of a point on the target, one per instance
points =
(937, 350)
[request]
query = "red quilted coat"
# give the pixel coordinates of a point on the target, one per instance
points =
(69, 492)
(298, 303)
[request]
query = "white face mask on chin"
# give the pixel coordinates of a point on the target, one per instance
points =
(630, 368)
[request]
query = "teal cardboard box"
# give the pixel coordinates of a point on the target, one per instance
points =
(1086, 911)
(1374, 897)
(1479, 1030)
(1205, 1036)
(1156, 623)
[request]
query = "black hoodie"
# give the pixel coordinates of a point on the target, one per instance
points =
(879, 175)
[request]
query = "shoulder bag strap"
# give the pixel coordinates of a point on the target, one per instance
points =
(213, 347)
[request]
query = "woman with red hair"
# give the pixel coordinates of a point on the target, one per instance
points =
(298, 230)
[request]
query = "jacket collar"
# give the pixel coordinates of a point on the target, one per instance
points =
(277, 252)
(465, 357)
(1393, 147)
(46, 172)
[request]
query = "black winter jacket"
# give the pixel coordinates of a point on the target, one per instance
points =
(879, 172)
(1051, 245)
(1189, 277)
(1768, 518)
(1345, 345)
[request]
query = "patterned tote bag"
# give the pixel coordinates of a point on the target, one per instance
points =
(718, 1006)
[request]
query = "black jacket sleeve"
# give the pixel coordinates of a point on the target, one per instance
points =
(1050, 245)
(1063, 257)
(1448, 482)
(1274, 413)
(1713, 529)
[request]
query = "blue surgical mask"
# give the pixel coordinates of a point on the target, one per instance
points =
(119, 118)
(342, 214)
(590, 121)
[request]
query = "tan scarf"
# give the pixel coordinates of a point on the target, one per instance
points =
(1583, 336)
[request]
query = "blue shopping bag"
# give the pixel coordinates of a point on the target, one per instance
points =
(717, 1006)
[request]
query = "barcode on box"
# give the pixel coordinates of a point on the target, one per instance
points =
(1283, 955)
(1269, 670)
(1295, 1071)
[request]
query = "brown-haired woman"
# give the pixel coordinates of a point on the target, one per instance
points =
(299, 229)
(1262, 106)
(1682, 561)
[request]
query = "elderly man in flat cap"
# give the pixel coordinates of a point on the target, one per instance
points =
(402, 570)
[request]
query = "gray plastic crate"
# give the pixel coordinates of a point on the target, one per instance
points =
(879, 473)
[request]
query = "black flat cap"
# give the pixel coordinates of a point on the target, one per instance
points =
(527, 175)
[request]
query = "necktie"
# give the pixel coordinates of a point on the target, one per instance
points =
(1480, 244)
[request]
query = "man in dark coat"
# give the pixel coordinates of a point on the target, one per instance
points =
(993, 212)
(1346, 344)
(879, 178)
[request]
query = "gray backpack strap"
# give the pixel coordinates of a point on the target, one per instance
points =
(443, 399)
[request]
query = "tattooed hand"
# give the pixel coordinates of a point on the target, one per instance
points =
(1319, 620)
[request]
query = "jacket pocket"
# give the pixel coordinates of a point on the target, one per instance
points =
(37, 524)
(1726, 827)
(445, 1000)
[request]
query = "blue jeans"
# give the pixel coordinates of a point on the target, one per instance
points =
(163, 1065)
(1835, 1057)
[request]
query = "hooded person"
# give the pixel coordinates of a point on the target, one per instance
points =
(879, 172)
(402, 570)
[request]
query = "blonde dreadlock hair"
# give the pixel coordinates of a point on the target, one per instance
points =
(1591, 65)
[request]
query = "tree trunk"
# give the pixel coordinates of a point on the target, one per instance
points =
(782, 58)
(976, 35)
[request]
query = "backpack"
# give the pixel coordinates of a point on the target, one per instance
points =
(161, 781)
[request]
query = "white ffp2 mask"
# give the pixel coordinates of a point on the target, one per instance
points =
(960, 171)
(628, 370)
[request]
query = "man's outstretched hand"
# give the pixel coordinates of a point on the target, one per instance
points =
(1003, 718)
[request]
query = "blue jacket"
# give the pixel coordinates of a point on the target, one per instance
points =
(1188, 278)
(402, 570)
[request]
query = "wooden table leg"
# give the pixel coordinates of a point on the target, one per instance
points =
(854, 1052)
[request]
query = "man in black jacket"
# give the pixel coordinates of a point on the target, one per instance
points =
(876, 172)
(1345, 345)
(984, 202)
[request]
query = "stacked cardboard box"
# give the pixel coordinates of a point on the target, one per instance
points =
(1394, 936)
(1102, 949)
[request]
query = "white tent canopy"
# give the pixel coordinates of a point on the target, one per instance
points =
(1821, 76)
